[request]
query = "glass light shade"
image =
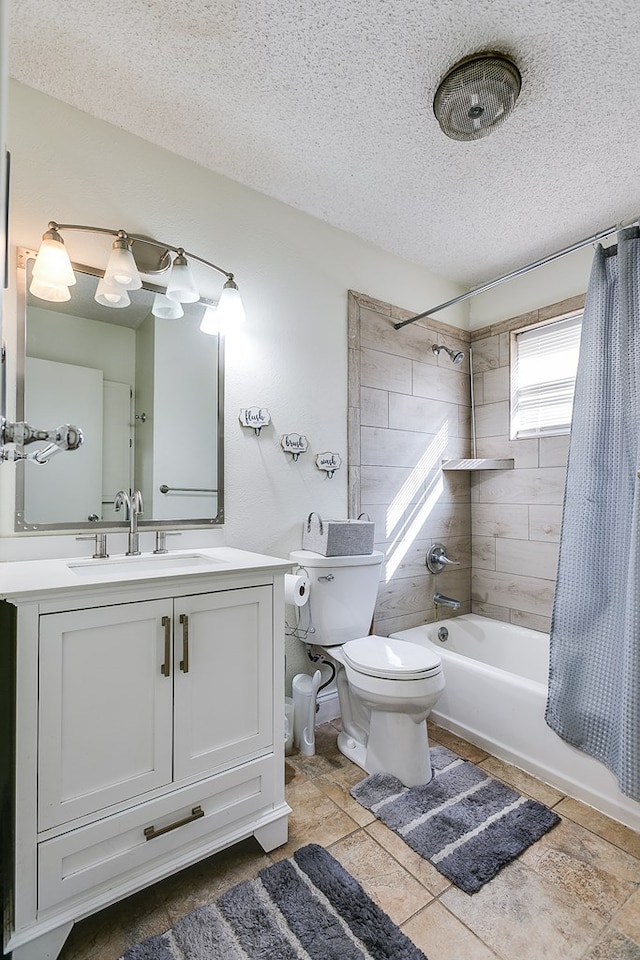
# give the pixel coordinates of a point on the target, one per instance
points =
(210, 323)
(121, 267)
(165, 308)
(181, 286)
(111, 294)
(53, 266)
(230, 312)
(55, 293)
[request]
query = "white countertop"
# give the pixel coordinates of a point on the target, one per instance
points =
(24, 578)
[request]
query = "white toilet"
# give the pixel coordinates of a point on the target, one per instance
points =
(386, 687)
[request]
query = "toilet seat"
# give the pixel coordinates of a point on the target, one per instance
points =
(391, 659)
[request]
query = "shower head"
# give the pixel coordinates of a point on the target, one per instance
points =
(457, 356)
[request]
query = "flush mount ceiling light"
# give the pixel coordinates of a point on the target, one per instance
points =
(476, 96)
(130, 256)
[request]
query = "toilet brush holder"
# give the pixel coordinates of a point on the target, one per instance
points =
(305, 692)
(288, 726)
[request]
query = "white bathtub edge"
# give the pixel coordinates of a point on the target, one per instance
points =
(599, 802)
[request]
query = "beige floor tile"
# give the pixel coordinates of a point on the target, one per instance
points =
(337, 788)
(289, 772)
(572, 896)
(521, 781)
(522, 916)
(420, 868)
(206, 881)
(105, 935)
(315, 818)
(327, 759)
(392, 887)
(616, 833)
(627, 919)
(464, 749)
(589, 869)
(614, 946)
(441, 936)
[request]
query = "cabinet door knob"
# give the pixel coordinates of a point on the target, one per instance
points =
(165, 668)
(184, 663)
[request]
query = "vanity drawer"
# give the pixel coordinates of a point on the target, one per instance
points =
(86, 861)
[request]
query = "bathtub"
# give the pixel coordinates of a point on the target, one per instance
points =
(495, 696)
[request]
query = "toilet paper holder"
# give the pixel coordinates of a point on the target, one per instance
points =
(296, 589)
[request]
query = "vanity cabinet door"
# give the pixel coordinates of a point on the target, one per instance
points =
(105, 714)
(224, 685)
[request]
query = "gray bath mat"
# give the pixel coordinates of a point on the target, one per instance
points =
(305, 908)
(465, 823)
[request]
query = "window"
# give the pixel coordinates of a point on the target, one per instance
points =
(544, 360)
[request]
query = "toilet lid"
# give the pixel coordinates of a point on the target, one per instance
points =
(391, 658)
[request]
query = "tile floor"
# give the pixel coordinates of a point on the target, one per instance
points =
(573, 895)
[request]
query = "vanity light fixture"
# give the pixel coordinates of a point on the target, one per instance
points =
(181, 286)
(122, 269)
(230, 302)
(229, 313)
(169, 309)
(53, 266)
(107, 293)
(54, 292)
(131, 255)
(209, 323)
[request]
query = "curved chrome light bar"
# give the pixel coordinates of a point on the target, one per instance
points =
(131, 255)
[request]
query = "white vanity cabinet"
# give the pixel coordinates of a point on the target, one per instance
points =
(149, 734)
(139, 695)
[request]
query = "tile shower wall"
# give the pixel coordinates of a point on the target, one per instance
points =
(409, 410)
(515, 514)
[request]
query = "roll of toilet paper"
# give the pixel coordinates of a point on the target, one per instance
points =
(296, 589)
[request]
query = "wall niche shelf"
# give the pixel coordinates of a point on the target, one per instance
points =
(479, 463)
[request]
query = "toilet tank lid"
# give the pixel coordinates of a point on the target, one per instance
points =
(386, 657)
(307, 558)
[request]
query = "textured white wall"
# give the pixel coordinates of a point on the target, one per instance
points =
(564, 278)
(294, 272)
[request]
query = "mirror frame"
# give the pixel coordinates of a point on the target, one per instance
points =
(23, 256)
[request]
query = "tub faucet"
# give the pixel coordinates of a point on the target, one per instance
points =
(134, 506)
(441, 601)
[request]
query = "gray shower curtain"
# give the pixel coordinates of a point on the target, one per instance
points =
(594, 672)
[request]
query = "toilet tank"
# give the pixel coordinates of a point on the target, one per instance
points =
(342, 594)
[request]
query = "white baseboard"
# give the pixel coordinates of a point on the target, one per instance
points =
(328, 706)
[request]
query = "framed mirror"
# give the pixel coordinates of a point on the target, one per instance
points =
(148, 394)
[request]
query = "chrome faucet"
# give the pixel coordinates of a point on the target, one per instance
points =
(441, 601)
(134, 506)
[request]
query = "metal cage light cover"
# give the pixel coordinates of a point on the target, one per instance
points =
(476, 96)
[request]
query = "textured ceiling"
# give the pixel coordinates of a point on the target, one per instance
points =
(326, 105)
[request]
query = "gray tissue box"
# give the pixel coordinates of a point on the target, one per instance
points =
(337, 538)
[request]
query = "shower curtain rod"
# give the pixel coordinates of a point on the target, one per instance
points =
(515, 273)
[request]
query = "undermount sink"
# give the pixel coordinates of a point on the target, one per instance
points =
(149, 563)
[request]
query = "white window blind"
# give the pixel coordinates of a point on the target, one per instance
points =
(545, 360)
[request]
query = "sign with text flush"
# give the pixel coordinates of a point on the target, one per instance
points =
(254, 417)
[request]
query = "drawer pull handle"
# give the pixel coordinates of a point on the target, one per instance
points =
(151, 833)
(165, 668)
(184, 663)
